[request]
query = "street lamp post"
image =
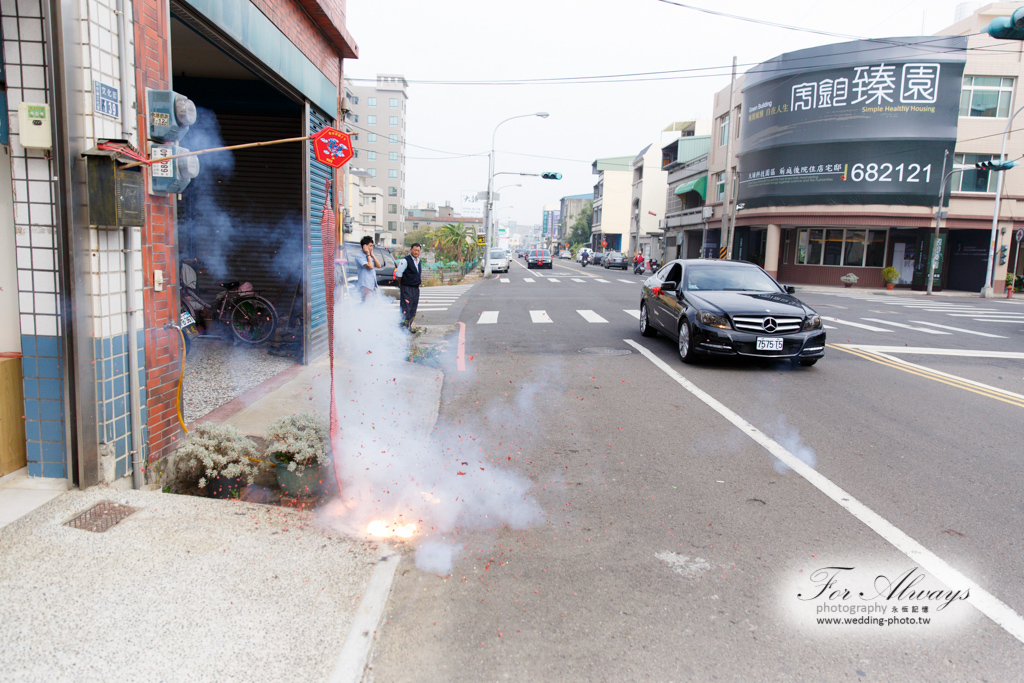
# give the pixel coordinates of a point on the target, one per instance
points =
(490, 190)
(988, 289)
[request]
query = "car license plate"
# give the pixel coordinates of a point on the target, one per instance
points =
(187, 319)
(769, 344)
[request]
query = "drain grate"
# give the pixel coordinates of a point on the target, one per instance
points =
(101, 517)
(603, 351)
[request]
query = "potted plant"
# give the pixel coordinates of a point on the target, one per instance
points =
(220, 459)
(297, 444)
(891, 276)
(849, 279)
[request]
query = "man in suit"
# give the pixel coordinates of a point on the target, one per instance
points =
(409, 274)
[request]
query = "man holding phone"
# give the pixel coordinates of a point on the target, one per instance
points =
(368, 264)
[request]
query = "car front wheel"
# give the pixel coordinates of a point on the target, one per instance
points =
(685, 342)
(646, 329)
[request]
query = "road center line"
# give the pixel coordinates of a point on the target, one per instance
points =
(982, 600)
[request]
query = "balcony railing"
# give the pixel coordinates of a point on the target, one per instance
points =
(684, 217)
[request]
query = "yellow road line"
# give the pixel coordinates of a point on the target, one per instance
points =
(988, 393)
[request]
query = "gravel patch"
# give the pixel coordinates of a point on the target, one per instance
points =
(217, 372)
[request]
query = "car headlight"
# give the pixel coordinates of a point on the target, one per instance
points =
(712, 320)
(812, 323)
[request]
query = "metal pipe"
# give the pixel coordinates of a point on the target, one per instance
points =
(933, 252)
(727, 208)
(989, 287)
(122, 50)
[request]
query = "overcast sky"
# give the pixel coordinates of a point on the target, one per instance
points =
(460, 40)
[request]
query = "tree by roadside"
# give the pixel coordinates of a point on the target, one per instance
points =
(580, 231)
(453, 242)
(420, 236)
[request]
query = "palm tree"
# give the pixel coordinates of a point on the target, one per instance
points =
(454, 242)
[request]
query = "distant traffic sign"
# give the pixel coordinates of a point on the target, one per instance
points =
(1020, 234)
(481, 241)
(604, 244)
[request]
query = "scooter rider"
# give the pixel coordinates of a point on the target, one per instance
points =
(585, 259)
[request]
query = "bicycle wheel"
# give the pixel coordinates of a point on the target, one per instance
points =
(253, 319)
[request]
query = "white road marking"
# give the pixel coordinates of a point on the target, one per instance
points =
(906, 327)
(982, 600)
(830, 327)
(628, 282)
(1016, 321)
(861, 325)
(591, 317)
(528, 279)
(553, 279)
(505, 279)
(925, 351)
(633, 312)
(959, 329)
(601, 280)
(988, 314)
(576, 279)
(488, 318)
(540, 317)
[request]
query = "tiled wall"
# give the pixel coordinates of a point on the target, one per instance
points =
(100, 60)
(35, 239)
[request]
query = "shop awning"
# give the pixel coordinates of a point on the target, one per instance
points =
(699, 185)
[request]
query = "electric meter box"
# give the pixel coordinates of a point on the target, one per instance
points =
(117, 195)
(173, 176)
(169, 115)
(34, 130)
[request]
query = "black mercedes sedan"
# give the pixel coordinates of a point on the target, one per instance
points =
(729, 308)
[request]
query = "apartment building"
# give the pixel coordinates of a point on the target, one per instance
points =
(647, 205)
(378, 119)
(612, 194)
(685, 162)
(569, 210)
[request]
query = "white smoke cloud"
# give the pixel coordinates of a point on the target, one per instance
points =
(789, 438)
(395, 463)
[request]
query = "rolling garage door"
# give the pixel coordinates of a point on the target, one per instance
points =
(316, 299)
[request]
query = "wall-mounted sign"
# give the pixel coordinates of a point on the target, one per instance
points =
(332, 147)
(864, 122)
(106, 100)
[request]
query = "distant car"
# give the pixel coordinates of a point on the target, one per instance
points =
(539, 258)
(729, 308)
(595, 258)
(499, 261)
(345, 268)
(566, 254)
(585, 251)
(614, 259)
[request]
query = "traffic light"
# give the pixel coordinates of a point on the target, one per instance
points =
(169, 115)
(1002, 255)
(995, 165)
(551, 176)
(1007, 28)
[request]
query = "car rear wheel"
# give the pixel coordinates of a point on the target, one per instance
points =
(646, 329)
(685, 342)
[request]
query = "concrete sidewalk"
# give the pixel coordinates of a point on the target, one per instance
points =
(195, 589)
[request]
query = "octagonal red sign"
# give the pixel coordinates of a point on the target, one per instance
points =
(332, 147)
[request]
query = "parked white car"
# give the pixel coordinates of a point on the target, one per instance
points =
(565, 254)
(499, 261)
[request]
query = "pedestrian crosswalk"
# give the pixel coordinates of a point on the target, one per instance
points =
(491, 317)
(437, 298)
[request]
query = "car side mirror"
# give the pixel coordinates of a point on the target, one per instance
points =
(669, 286)
(790, 289)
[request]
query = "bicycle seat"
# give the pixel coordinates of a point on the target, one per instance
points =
(230, 285)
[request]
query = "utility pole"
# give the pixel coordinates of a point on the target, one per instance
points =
(727, 209)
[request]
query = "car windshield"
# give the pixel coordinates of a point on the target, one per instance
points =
(541, 253)
(614, 254)
(497, 253)
(729, 278)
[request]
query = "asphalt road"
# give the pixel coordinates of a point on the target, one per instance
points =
(675, 546)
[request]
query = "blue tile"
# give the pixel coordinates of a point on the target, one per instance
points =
(50, 410)
(119, 386)
(109, 428)
(28, 366)
(35, 469)
(28, 345)
(116, 367)
(53, 451)
(122, 468)
(31, 388)
(34, 451)
(48, 367)
(32, 430)
(108, 389)
(48, 346)
(120, 427)
(108, 369)
(108, 410)
(100, 430)
(50, 388)
(140, 338)
(99, 412)
(142, 363)
(31, 409)
(97, 348)
(51, 430)
(119, 448)
(106, 347)
(55, 470)
(119, 343)
(142, 391)
(119, 406)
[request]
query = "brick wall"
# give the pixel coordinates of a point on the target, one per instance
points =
(159, 246)
(297, 25)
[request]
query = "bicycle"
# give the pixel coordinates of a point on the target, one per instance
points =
(252, 318)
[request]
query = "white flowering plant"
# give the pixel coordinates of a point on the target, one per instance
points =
(299, 440)
(213, 450)
(849, 279)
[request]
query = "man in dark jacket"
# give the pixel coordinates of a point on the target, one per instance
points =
(408, 273)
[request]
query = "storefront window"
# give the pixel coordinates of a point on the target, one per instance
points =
(853, 250)
(785, 246)
(875, 249)
(833, 247)
(814, 247)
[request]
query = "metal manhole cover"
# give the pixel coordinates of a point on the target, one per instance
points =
(101, 516)
(603, 351)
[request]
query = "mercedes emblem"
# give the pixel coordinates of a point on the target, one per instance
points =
(769, 324)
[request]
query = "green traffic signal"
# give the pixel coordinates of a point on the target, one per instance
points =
(995, 165)
(551, 176)
(1007, 28)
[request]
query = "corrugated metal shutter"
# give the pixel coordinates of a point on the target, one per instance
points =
(316, 299)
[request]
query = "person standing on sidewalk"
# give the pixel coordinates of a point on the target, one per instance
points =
(409, 278)
(368, 265)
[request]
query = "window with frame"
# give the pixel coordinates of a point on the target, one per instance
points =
(973, 180)
(392, 156)
(392, 120)
(720, 186)
(392, 225)
(393, 103)
(372, 172)
(987, 96)
(371, 101)
(371, 137)
(392, 173)
(850, 247)
(371, 119)
(723, 130)
(393, 138)
(392, 208)
(392, 191)
(371, 155)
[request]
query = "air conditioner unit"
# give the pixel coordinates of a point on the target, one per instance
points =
(709, 211)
